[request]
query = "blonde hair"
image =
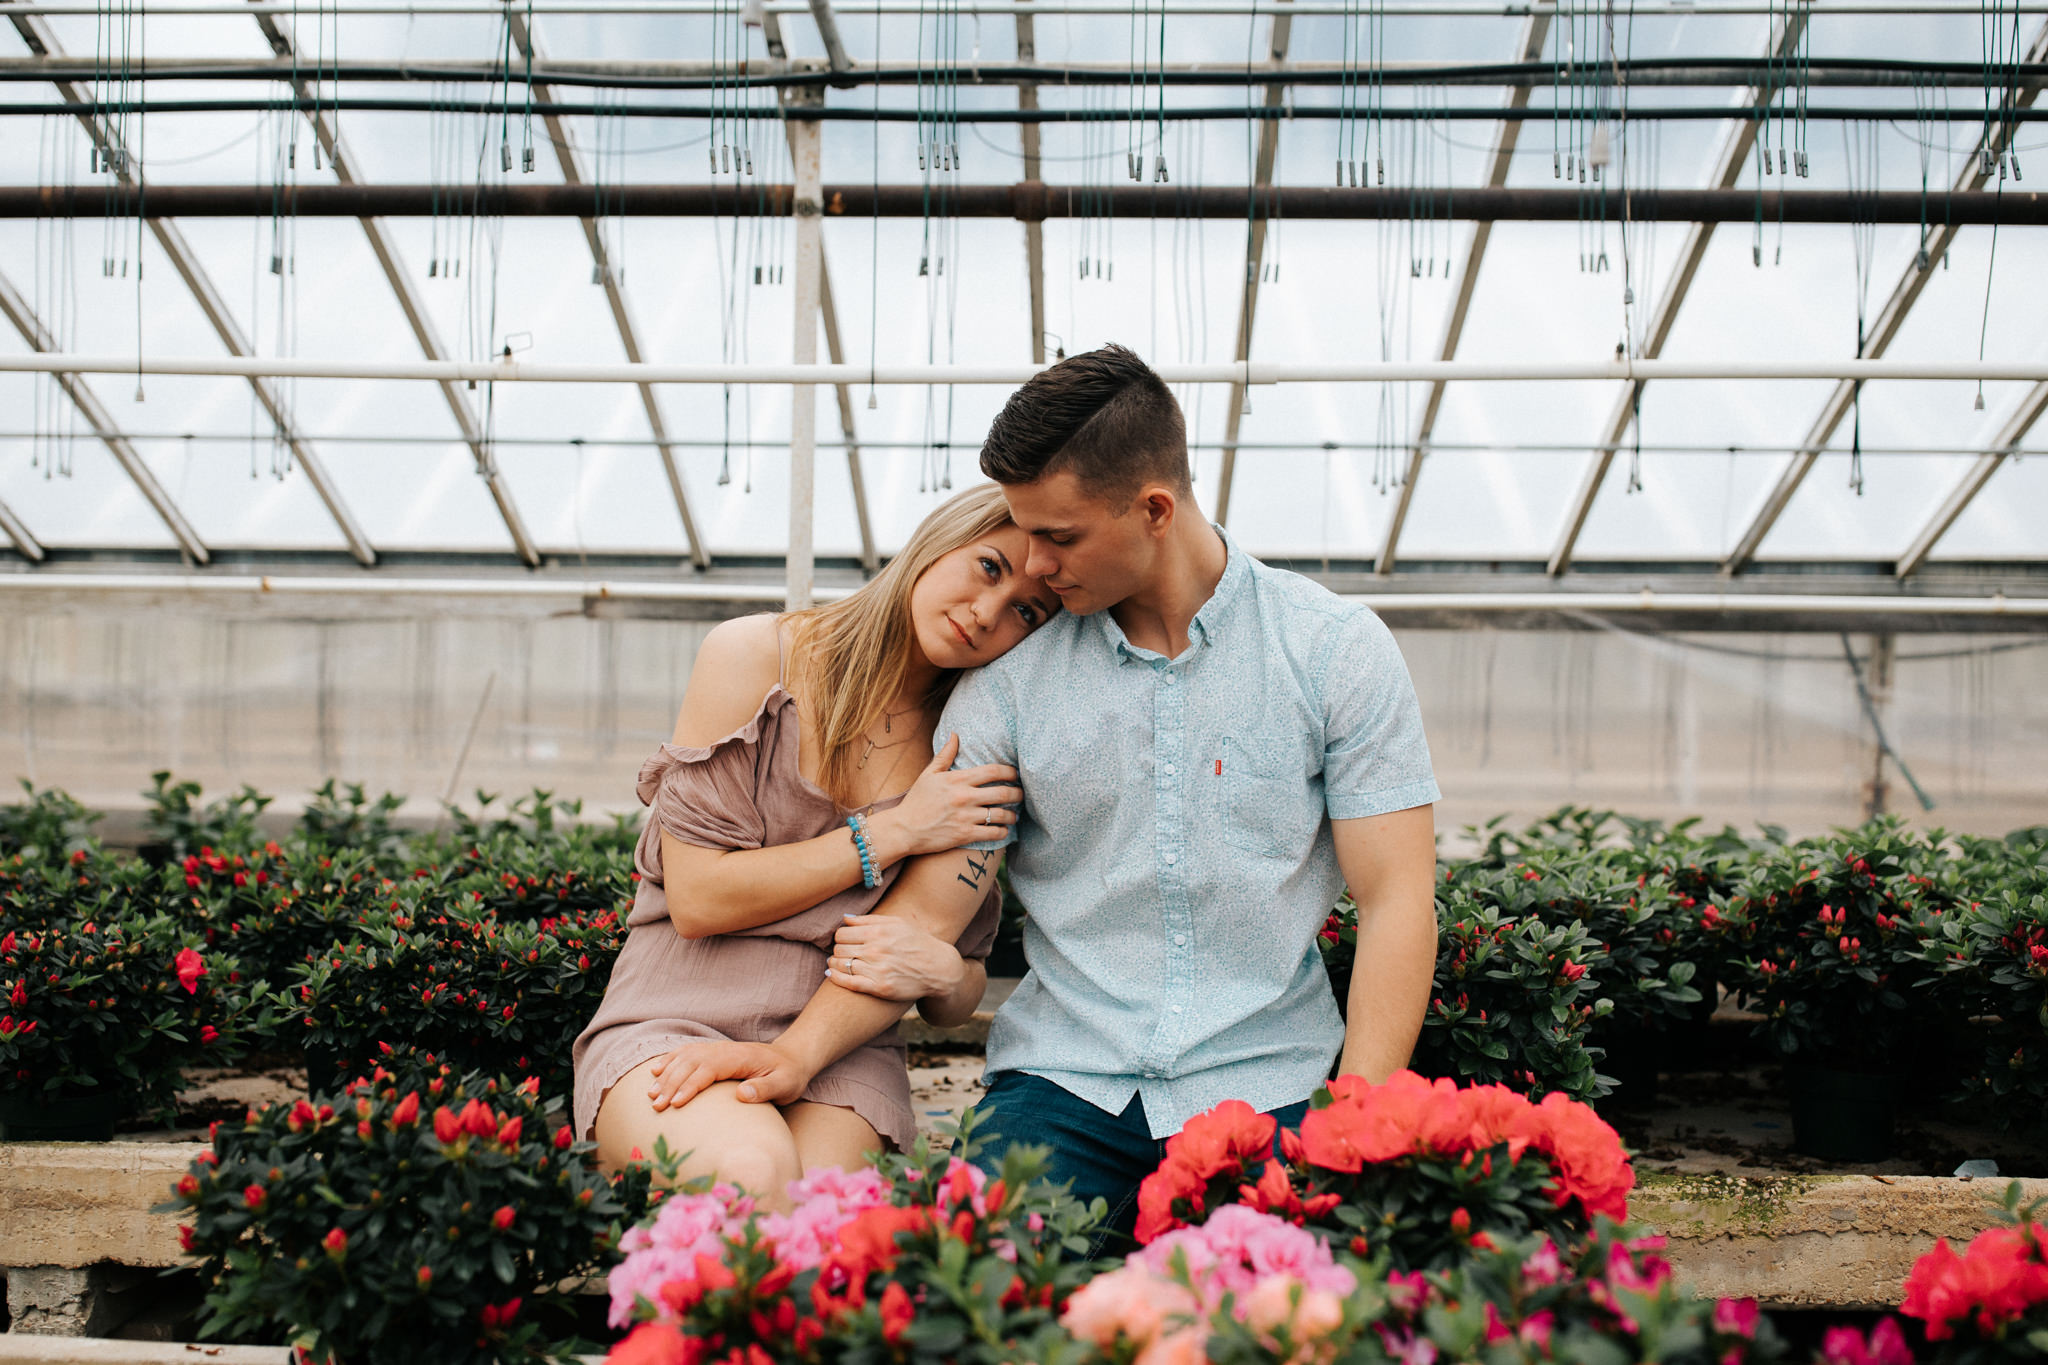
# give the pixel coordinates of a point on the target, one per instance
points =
(848, 659)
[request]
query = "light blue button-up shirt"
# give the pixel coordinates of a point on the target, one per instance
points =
(1174, 851)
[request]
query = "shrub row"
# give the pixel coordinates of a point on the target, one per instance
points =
(1572, 953)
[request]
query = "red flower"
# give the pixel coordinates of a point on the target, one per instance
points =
(425, 1278)
(185, 1239)
(496, 1315)
(188, 1185)
(1736, 1317)
(478, 1120)
(508, 1135)
(407, 1112)
(1885, 1346)
(563, 1137)
(302, 1117)
(208, 1033)
(1572, 971)
(253, 1196)
(336, 1242)
(2001, 1274)
(1461, 1222)
(502, 1219)
(657, 1343)
(190, 968)
(446, 1126)
(896, 1313)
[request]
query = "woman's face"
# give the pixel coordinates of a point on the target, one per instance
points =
(974, 603)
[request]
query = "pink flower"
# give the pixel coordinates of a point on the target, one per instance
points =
(1132, 1304)
(1736, 1317)
(1885, 1346)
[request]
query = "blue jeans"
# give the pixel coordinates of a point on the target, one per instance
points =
(1102, 1154)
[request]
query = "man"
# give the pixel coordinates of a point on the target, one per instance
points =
(1209, 749)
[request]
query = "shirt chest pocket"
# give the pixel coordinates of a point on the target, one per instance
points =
(1269, 792)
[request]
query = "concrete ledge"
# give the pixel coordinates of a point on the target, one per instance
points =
(81, 1203)
(31, 1350)
(1795, 1241)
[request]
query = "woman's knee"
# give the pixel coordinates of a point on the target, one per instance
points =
(715, 1134)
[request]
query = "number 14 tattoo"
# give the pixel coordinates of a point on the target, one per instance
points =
(978, 865)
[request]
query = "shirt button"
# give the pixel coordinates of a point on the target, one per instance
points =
(1171, 857)
(1169, 770)
(1179, 939)
(1176, 1009)
(1169, 679)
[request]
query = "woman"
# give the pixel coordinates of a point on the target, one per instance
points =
(795, 729)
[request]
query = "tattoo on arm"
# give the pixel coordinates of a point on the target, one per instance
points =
(979, 867)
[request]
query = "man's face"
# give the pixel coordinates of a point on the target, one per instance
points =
(1087, 552)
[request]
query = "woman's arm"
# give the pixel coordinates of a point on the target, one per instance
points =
(715, 891)
(888, 957)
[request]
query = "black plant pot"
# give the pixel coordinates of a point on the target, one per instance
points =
(1840, 1115)
(88, 1116)
(1634, 1057)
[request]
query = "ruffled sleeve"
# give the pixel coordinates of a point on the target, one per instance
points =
(709, 796)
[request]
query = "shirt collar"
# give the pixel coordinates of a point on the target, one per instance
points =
(1202, 629)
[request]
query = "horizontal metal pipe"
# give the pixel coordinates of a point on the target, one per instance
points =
(1479, 113)
(1481, 9)
(1253, 372)
(702, 75)
(1028, 201)
(364, 584)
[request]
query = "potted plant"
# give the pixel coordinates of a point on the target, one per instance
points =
(50, 826)
(451, 1214)
(494, 996)
(1411, 1170)
(101, 1009)
(1835, 927)
(1993, 956)
(179, 825)
(926, 1260)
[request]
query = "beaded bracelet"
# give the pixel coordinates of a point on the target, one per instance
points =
(859, 826)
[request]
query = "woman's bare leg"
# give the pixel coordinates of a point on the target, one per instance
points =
(751, 1145)
(828, 1135)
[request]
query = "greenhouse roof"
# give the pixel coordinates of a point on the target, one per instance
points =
(405, 351)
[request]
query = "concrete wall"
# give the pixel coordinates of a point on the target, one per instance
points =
(97, 692)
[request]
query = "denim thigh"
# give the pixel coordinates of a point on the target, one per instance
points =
(1102, 1155)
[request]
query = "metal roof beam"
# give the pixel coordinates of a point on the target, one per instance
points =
(1528, 47)
(614, 291)
(1735, 151)
(1904, 295)
(36, 34)
(1034, 231)
(19, 534)
(38, 337)
(1254, 263)
(414, 308)
(2002, 445)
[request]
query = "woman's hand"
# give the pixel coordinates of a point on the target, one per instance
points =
(946, 808)
(766, 1074)
(891, 958)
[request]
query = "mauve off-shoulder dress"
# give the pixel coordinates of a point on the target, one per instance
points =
(744, 791)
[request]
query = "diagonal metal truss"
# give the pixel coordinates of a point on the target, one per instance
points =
(1034, 231)
(1904, 295)
(1527, 48)
(19, 534)
(614, 287)
(1735, 151)
(2031, 407)
(38, 337)
(36, 34)
(1254, 261)
(412, 305)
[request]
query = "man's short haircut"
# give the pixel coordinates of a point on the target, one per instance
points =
(1103, 415)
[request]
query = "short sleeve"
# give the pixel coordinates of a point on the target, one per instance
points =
(1375, 759)
(979, 712)
(979, 937)
(707, 796)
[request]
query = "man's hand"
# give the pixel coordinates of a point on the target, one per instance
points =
(767, 1075)
(888, 957)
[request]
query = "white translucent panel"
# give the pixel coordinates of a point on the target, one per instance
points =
(593, 498)
(2003, 521)
(1691, 506)
(420, 497)
(59, 480)
(247, 497)
(1829, 519)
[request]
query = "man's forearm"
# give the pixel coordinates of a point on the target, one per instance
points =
(940, 894)
(1390, 985)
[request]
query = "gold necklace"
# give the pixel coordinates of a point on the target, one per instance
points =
(872, 746)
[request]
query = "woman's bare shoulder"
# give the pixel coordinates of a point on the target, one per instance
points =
(738, 661)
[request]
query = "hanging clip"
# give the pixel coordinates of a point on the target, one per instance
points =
(1159, 170)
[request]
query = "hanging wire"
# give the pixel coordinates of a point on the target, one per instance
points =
(1860, 161)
